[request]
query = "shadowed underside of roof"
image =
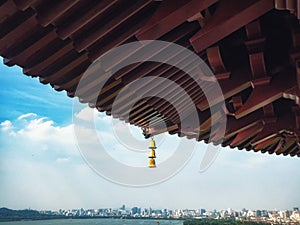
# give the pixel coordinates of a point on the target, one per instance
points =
(252, 47)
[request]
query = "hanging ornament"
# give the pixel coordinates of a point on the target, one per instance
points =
(152, 155)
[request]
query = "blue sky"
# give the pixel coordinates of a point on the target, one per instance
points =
(41, 166)
(22, 94)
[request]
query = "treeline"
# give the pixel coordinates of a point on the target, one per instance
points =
(205, 221)
(26, 214)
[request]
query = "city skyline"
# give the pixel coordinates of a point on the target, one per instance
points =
(125, 207)
(37, 172)
(286, 216)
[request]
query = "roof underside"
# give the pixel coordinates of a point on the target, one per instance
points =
(252, 47)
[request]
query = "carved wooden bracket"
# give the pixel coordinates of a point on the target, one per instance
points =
(255, 46)
(216, 62)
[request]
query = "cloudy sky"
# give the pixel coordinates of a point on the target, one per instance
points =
(43, 165)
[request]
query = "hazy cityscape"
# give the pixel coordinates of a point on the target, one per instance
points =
(288, 216)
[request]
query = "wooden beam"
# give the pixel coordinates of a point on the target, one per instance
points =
(15, 28)
(61, 72)
(152, 116)
(285, 147)
(292, 151)
(141, 69)
(53, 11)
(23, 4)
(235, 126)
(136, 111)
(142, 116)
(206, 124)
(169, 15)
(169, 73)
(104, 89)
(266, 94)
(265, 144)
(20, 54)
(66, 30)
(238, 81)
(180, 101)
(44, 58)
(7, 9)
(230, 16)
(101, 47)
(71, 85)
(165, 52)
(87, 40)
(172, 74)
(124, 103)
(273, 128)
(270, 147)
(246, 134)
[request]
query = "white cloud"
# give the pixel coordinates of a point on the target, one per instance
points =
(39, 135)
(62, 160)
(24, 116)
(6, 125)
(85, 114)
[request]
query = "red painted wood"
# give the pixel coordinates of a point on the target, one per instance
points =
(264, 95)
(12, 30)
(74, 25)
(23, 4)
(238, 81)
(7, 9)
(47, 56)
(266, 143)
(215, 60)
(229, 17)
(53, 11)
(253, 30)
(24, 51)
(246, 134)
(169, 15)
(257, 63)
(92, 37)
(270, 130)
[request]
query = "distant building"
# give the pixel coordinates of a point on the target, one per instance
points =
(258, 213)
(136, 210)
(202, 212)
(295, 215)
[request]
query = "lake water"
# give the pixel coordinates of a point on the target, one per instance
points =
(96, 222)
